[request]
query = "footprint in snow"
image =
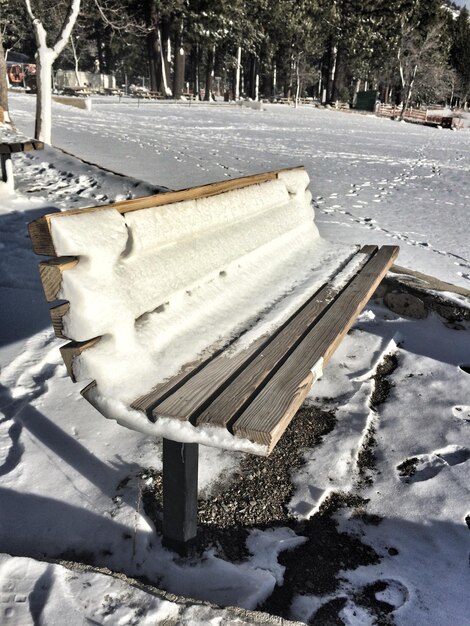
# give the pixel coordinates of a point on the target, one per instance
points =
(389, 592)
(426, 466)
(462, 412)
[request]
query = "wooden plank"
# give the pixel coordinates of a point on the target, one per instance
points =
(51, 275)
(74, 349)
(57, 314)
(220, 389)
(161, 391)
(185, 400)
(270, 412)
(39, 230)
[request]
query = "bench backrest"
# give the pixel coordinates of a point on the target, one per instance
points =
(152, 283)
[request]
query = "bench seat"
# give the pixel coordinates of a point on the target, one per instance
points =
(255, 392)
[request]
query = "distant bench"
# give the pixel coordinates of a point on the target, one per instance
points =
(10, 142)
(203, 315)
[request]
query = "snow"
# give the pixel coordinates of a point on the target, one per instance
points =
(71, 482)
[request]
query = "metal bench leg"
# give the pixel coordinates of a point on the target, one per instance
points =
(180, 469)
(7, 171)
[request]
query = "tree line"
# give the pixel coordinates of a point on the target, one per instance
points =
(407, 50)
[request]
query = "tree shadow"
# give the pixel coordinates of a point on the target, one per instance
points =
(23, 415)
(47, 526)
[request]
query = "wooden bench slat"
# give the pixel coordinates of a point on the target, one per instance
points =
(73, 349)
(147, 402)
(57, 313)
(51, 275)
(249, 368)
(233, 398)
(270, 412)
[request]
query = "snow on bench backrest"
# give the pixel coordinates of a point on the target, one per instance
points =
(161, 285)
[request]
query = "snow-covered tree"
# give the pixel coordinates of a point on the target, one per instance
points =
(45, 57)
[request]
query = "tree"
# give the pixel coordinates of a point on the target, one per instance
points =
(45, 57)
(460, 52)
(422, 38)
(3, 80)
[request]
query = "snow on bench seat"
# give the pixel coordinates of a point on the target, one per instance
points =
(203, 315)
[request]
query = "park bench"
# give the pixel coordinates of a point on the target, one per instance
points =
(202, 316)
(11, 142)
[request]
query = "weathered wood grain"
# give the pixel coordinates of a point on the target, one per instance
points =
(270, 412)
(51, 275)
(40, 233)
(73, 349)
(161, 391)
(185, 401)
(208, 394)
(57, 315)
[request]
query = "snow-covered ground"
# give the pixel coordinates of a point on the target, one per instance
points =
(71, 482)
(373, 179)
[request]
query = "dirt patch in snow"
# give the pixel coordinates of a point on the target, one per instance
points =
(256, 496)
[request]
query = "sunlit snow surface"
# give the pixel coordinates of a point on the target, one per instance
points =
(69, 479)
(373, 180)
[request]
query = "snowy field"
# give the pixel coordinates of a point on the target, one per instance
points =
(73, 484)
(373, 180)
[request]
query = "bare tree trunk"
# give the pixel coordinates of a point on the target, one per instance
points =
(297, 80)
(180, 59)
(3, 79)
(253, 74)
(153, 49)
(237, 73)
(75, 58)
(165, 53)
(331, 70)
(337, 75)
(210, 68)
(45, 59)
(409, 90)
(43, 125)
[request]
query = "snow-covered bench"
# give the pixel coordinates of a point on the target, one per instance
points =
(11, 142)
(203, 315)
